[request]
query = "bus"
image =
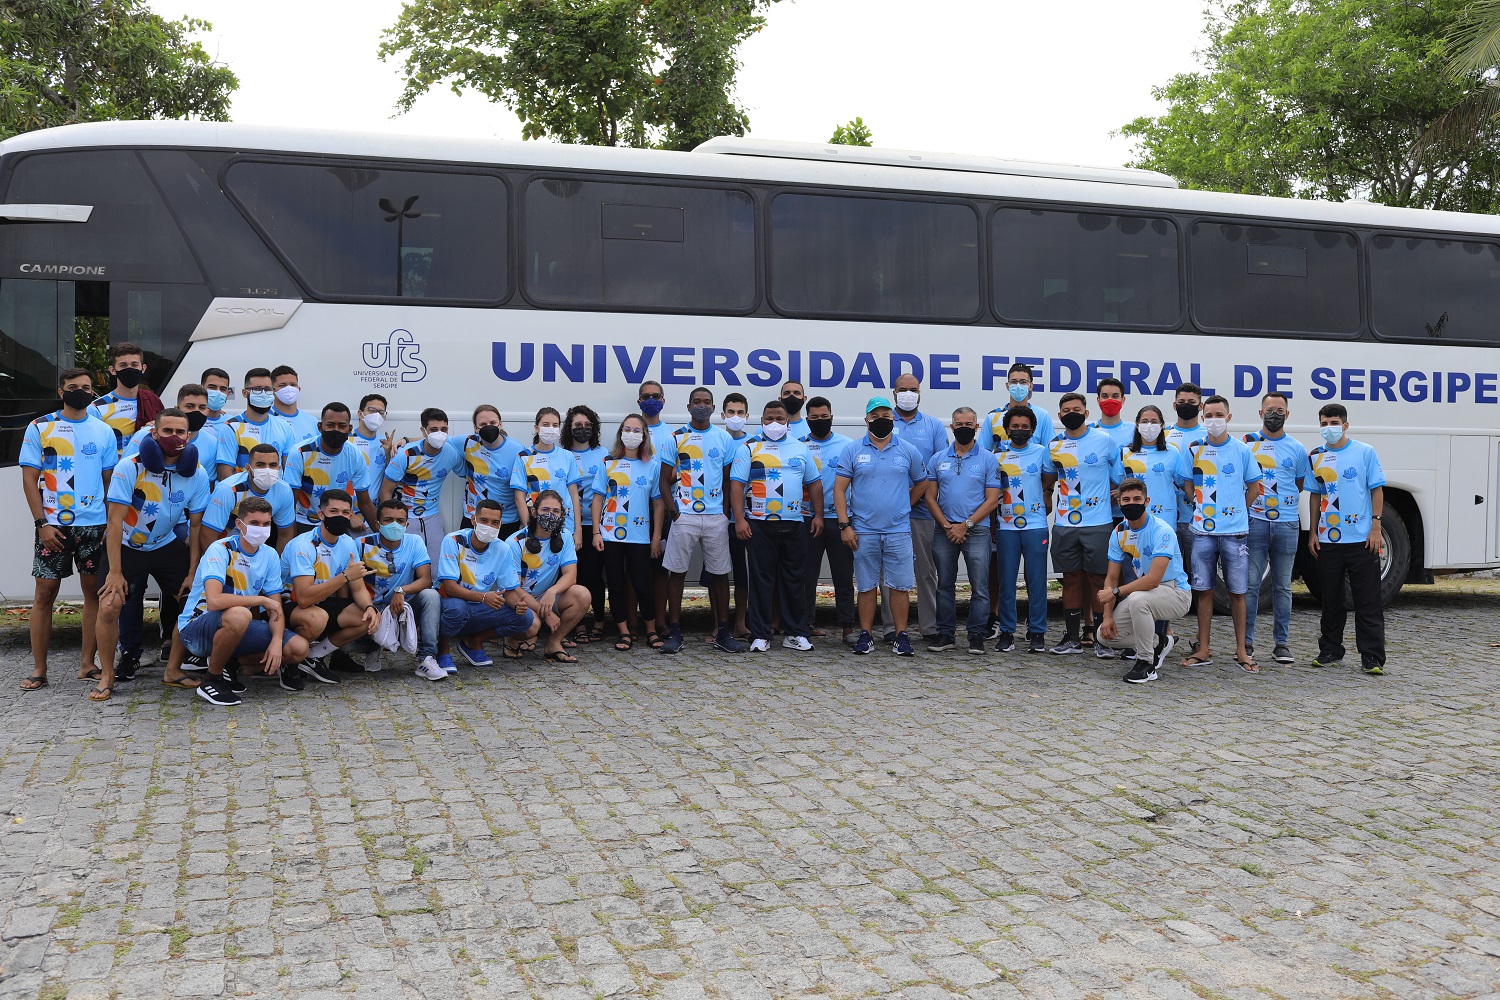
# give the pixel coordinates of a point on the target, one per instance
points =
(452, 272)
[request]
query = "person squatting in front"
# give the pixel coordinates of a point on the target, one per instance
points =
(479, 577)
(1159, 592)
(400, 580)
(549, 577)
(327, 605)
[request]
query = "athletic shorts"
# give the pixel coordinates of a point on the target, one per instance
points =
(690, 531)
(1231, 552)
(83, 547)
(168, 564)
(1081, 549)
(334, 606)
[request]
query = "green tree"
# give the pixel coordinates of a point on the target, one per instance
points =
(1330, 99)
(853, 133)
(66, 61)
(602, 72)
(1475, 39)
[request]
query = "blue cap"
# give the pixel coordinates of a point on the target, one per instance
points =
(876, 402)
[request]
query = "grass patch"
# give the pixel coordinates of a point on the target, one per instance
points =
(1257, 870)
(177, 942)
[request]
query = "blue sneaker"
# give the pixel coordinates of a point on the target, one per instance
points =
(903, 645)
(476, 657)
(864, 644)
(446, 662)
(674, 642)
(727, 643)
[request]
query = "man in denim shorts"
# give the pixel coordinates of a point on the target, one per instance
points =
(1225, 484)
(879, 478)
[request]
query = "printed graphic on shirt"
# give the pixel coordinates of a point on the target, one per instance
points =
(1019, 509)
(765, 493)
(145, 505)
(119, 414)
(1158, 470)
(617, 516)
(1073, 502)
(71, 456)
(1332, 521)
(1210, 509)
(695, 494)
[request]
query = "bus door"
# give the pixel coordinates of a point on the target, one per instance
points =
(1472, 531)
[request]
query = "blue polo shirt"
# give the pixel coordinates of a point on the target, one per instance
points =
(392, 568)
(229, 492)
(311, 472)
(1342, 479)
(627, 486)
(1087, 466)
(962, 480)
(880, 482)
(773, 473)
(1155, 539)
(995, 428)
(826, 455)
(155, 502)
(927, 436)
(1284, 469)
(498, 567)
(1221, 474)
(1023, 498)
(1163, 471)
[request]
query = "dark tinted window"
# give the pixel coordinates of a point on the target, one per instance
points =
(1255, 278)
(639, 246)
(1443, 289)
(356, 232)
(1085, 269)
(884, 259)
(130, 236)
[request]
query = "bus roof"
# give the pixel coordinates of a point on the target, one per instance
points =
(766, 161)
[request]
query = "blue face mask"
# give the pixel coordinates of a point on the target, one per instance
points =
(1019, 392)
(1331, 433)
(393, 532)
(262, 399)
(216, 400)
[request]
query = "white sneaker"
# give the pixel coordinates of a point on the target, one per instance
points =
(797, 642)
(760, 646)
(428, 669)
(373, 663)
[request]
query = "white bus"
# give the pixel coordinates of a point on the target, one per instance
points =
(527, 274)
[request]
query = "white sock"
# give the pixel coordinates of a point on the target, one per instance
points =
(320, 648)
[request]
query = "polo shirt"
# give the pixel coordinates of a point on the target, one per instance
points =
(927, 435)
(880, 482)
(963, 480)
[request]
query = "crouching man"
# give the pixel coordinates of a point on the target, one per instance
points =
(328, 607)
(401, 578)
(233, 613)
(479, 577)
(1159, 592)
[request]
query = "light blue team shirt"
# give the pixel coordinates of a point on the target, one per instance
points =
(1163, 471)
(540, 570)
(229, 492)
(927, 436)
(240, 434)
(120, 413)
(1221, 474)
(963, 480)
(311, 472)
(589, 460)
(797, 429)
(772, 473)
(739, 439)
(498, 567)
(392, 568)
(535, 470)
(1087, 467)
(156, 502)
(420, 476)
(1023, 497)
(313, 554)
(303, 425)
(699, 460)
(826, 455)
(1121, 433)
(994, 425)
(661, 437)
(1284, 469)
(1343, 478)
(627, 486)
(240, 573)
(1155, 539)
(487, 473)
(373, 450)
(880, 482)
(1182, 439)
(72, 458)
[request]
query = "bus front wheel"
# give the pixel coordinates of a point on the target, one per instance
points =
(1395, 562)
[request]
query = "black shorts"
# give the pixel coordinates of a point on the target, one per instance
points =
(168, 565)
(83, 547)
(334, 606)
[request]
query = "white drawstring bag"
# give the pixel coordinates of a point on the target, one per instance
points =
(407, 626)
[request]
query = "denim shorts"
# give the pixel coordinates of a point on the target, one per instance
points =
(1232, 552)
(884, 560)
(198, 635)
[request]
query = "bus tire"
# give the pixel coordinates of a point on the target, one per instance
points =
(1395, 564)
(1263, 606)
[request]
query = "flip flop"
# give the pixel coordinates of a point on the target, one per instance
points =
(1248, 666)
(511, 652)
(1197, 661)
(561, 656)
(33, 683)
(92, 675)
(187, 683)
(101, 694)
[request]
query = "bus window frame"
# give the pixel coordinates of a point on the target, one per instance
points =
(378, 163)
(1412, 234)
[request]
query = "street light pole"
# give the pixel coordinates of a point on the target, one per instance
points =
(399, 217)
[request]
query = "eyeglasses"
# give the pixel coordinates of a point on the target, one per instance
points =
(652, 395)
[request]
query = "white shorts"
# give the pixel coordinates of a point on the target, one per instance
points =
(691, 530)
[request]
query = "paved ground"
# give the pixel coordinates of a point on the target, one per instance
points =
(735, 827)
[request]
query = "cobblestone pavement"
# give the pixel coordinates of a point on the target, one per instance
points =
(787, 824)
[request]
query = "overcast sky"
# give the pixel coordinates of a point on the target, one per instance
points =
(997, 77)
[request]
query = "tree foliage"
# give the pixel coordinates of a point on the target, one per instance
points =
(66, 61)
(853, 133)
(603, 72)
(1330, 99)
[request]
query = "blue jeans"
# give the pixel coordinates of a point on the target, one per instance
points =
(462, 617)
(976, 553)
(884, 560)
(1011, 547)
(198, 635)
(1227, 552)
(427, 605)
(1276, 541)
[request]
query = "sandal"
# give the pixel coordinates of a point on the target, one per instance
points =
(654, 640)
(1248, 666)
(1087, 639)
(92, 675)
(561, 656)
(511, 652)
(818, 633)
(581, 636)
(101, 694)
(185, 682)
(596, 633)
(625, 643)
(33, 683)
(569, 644)
(529, 646)
(1197, 661)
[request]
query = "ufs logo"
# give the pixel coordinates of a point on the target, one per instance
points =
(398, 353)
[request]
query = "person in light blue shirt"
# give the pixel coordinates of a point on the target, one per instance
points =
(1109, 397)
(489, 459)
(220, 391)
(479, 577)
(255, 426)
(262, 479)
(416, 474)
(302, 424)
(1349, 483)
(1088, 466)
(1187, 431)
(651, 400)
(736, 412)
(1275, 522)
(627, 514)
(794, 399)
(549, 576)
(329, 462)
(582, 425)
(926, 435)
(1018, 385)
(401, 578)
(329, 607)
(1226, 482)
(1026, 478)
(367, 438)
(546, 466)
(963, 489)
(826, 447)
(1158, 592)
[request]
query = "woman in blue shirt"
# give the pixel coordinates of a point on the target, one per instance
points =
(583, 441)
(627, 521)
(545, 466)
(1158, 464)
(549, 576)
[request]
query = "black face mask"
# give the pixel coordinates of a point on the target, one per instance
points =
(1275, 422)
(196, 420)
(334, 440)
(335, 526)
(582, 435)
(1186, 411)
(881, 427)
(77, 398)
(1019, 439)
(489, 434)
(129, 377)
(1133, 511)
(964, 435)
(1073, 421)
(820, 428)
(793, 405)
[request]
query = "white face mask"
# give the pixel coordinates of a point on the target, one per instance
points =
(288, 394)
(1216, 426)
(549, 434)
(735, 423)
(373, 420)
(906, 400)
(632, 439)
(437, 438)
(264, 479)
(1150, 431)
(484, 534)
(256, 534)
(776, 430)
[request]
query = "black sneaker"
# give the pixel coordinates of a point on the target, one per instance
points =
(342, 663)
(318, 670)
(127, 664)
(214, 691)
(166, 652)
(673, 644)
(1036, 642)
(976, 645)
(232, 679)
(1164, 644)
(291, 678)
(1007, 642)
(889, 638)
(940, 644)
(1127, 654)
(1141, 673)
(193, 664)
(1283, 654)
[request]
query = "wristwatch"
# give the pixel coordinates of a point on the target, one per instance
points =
(39, 522)
(968, 522)
(843, 525)
(1115, 591)
(1374, 517)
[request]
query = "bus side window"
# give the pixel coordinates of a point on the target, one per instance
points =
(1434, 289)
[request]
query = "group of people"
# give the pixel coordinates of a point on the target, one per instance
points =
(283, 540)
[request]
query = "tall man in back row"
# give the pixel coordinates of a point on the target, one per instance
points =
(1087, 465)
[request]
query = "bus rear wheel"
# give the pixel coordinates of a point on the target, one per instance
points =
(1395, 562)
